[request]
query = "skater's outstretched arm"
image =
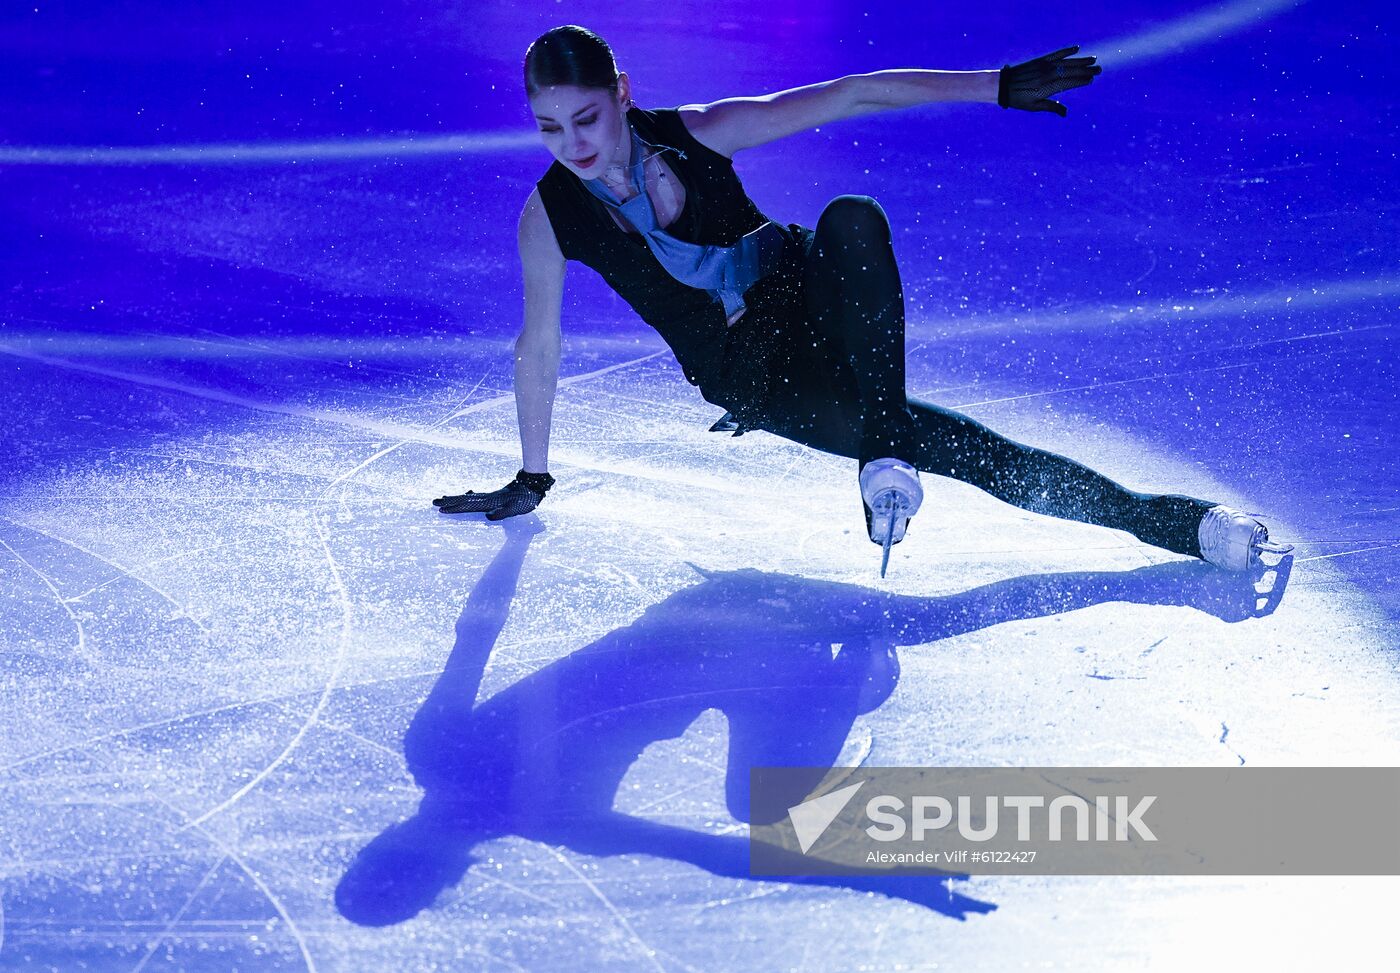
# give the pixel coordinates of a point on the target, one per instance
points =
(536, 372)
(1028, 85)
(732, 124)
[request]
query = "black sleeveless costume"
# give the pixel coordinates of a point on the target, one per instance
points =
(728, 364)
(818, 357)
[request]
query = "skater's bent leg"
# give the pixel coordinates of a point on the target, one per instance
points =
(957, 446)
(855, 303)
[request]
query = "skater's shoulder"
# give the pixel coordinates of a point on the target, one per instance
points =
(535, 233)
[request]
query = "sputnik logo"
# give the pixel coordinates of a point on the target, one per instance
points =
(810, 819)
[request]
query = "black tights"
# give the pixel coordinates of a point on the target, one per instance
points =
(843, 392)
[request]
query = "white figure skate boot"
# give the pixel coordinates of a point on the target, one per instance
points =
(892, 494)
(1233, 540)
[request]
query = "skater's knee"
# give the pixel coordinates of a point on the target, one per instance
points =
(854, 218)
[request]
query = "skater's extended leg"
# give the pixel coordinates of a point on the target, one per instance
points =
(957, 446)
(817, 408)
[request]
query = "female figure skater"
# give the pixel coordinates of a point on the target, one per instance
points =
(793, 330)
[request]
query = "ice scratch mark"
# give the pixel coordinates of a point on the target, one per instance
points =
(180, 914)
(346, 731)
(585, 635)
(262, 886)
(164, 560)
(770, 888)
(232, 855)
(1250, 345)
(488, 879)
(63, 602)
(669, 799)
(177, 458)
(342, 648)
(646, 950)
(614, 569)
(347, 622)
(1094, 386)
(1359, 550)
(1107, 678)
(879, 943)
(1148, 650)
(565, 455)
(182, 609)
(384, 430)
(1225, 732)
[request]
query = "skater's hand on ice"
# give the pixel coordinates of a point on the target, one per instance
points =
(1031, 84)
(520, 496)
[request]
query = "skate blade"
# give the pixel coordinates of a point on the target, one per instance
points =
(1277, 552)
(889, 539)
(890, 506)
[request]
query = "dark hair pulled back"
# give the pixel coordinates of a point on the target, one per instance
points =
(569, 55)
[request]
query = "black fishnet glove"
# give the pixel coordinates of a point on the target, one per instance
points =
(519, 496)
(1031, 84)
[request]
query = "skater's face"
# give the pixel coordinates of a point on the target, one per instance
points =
(585, 128)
